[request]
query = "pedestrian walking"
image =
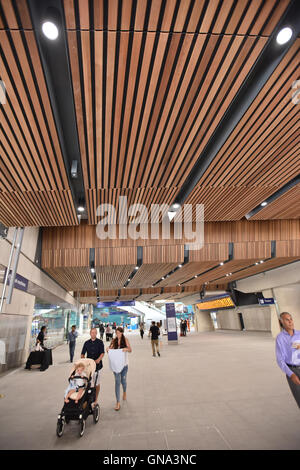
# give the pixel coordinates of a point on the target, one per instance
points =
(72, 336)
(154, 332)
(94, 349)
(101, 330)
(108, 333)
(118, 358)
(142, 331)
(288, 353)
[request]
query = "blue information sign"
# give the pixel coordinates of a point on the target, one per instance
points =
(20, 281)
(117, 303)
(171, 322)
(266, 301)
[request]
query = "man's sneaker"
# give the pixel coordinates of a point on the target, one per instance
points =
(158, 353)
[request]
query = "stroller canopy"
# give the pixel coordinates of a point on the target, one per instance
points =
(89, 366)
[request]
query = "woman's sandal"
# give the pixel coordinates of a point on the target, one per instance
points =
(117, 407)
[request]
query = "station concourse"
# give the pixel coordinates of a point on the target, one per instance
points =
(150, 171)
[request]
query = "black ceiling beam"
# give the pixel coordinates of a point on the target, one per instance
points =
(275, 196)
(270, 57)
(54, 55)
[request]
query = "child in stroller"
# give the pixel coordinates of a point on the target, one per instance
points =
(76, 383)
(78, 400)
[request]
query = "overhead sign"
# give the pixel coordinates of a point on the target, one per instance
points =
(210, 303)
(171, 322)
(268, 301)
(21, 282)
(117, 303)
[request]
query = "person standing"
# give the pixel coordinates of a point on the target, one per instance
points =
(72, 336)
(142, 331)
(184, 327)
(108, 332)
(41, 337)
(154, 332)
(288, 353)
(120, 342)
(102, 330)
(94, 349)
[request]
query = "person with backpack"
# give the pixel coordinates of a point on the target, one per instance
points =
(154, 332)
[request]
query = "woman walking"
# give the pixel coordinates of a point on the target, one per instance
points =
(142, 330)
(122, 343)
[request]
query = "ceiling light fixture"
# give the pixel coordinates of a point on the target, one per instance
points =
(50, 30)
(284, 35)
(263, 204)
(80, 208)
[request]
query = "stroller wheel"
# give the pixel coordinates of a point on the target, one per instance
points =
(96, 413)
(60, 427)
(81, 427)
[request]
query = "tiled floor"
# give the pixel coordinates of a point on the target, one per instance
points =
(218, 390)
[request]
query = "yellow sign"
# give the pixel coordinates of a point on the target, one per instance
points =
(217, 303)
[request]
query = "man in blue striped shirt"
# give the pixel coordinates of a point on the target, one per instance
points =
(288, 353)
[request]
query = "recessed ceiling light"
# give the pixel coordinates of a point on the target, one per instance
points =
(80, 209)
(50, 30)
(92, 270)
(261, 261)
(284, 35)
(264, 203)
(180, 266)
(221, 264)
(176, 206)
(136, 267)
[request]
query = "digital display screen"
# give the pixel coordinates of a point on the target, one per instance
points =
(211, 303)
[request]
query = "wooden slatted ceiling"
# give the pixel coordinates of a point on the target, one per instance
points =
(34, 188)
(285, 207)
(261, 155)
(164, 73)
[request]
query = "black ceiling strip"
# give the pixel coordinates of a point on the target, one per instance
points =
(243, 168)
(126, 80)
(10, 179)
(55, 62)
(224, 96)
(162, 107)
(20, 102)
(28, 168)
(172, 106)
(269, 16)
(255, 80)
(290, 168)
(227, 145)
(80, 66)
(93, 85)
(104, 71)
(187, 93)
(161, 14)
(115, 87)
(136, 87)
(12, 164)
(275, 196)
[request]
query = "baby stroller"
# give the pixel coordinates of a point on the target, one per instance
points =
(80, 411)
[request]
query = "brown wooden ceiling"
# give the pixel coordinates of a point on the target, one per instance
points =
(151, 82)
(115, 260)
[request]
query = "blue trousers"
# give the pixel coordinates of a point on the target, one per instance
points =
(120, 378)
(72, 350)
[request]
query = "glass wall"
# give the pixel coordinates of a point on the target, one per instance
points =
(58, 322)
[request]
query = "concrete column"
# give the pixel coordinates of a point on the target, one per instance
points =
(288, 300)
(203, 321)
(15, 328)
